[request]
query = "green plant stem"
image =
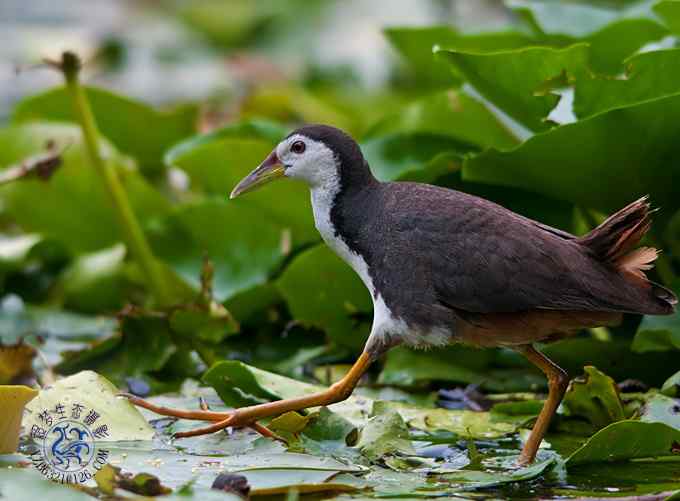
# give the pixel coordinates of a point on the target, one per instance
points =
(132, 231)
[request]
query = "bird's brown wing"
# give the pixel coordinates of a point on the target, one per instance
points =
(483, 258)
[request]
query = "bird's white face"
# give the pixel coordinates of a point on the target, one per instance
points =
(308, 160)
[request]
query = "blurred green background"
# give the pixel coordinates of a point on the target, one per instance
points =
(562, 111)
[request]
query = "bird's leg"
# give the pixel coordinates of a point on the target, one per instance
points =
(558, 381)
(257, 427)
(245, 416)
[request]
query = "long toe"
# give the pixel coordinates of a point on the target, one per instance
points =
(178, 413)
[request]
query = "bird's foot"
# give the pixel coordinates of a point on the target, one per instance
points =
(220, 420)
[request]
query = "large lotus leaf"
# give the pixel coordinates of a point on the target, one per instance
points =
(610, 46)
(135, 128)
(73, 206)
(625, 440)
(669, 10)
(603, 162)
(416, 43)
(322, 291)
(413, 157)
(93, 392)
(613, 33)
(451, 114)
(595, 398)
(244, 246)
(520, 81)
(649, 75)
(574, 19)
(216, 162)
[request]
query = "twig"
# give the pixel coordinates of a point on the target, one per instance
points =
(42, 165)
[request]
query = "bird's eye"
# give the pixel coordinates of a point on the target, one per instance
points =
(298, 147)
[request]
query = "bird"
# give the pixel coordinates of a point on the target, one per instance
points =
(443, 267)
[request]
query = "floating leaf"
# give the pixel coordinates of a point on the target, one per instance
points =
(94, 392)
(595, 398)
(625, 440)
(472, 480)
(290, 422)
(661, 409)
(464, 423)
(28, 483)
(385, 434)
(110, 478)
(239, 384)
(51, 323)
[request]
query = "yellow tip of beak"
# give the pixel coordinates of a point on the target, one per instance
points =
(267, 171)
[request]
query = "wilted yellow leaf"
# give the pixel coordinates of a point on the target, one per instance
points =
(12, 401)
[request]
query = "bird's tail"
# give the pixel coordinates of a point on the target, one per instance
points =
(613, 243)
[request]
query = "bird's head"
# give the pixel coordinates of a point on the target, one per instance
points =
(319, 155)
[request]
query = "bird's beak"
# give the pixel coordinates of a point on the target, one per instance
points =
(268, 170)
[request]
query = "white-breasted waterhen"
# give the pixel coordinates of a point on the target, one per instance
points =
(445, 267)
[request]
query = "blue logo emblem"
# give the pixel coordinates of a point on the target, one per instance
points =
(68, 446)
(67, 443)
